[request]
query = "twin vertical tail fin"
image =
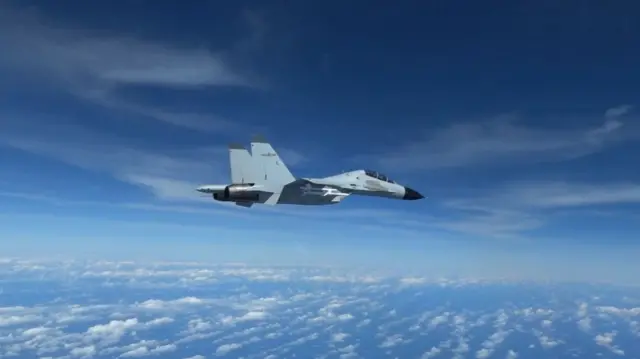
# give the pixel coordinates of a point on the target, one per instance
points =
(262, 167)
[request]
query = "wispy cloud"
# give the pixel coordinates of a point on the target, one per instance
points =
(489, 222)
(170, 174)
(94, 66)
(618, 111)
(517, 208)
(508, 212)
(212, 215)
(198, 121)
(76, 57)
(206, 206)
(506, 140)
(544, 195)
(562, 194)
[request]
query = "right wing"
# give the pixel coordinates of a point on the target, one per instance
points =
(268, 166)
(242, 167)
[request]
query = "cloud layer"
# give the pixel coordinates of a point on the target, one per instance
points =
(230, 311)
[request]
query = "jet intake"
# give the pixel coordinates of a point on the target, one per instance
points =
(238, 193)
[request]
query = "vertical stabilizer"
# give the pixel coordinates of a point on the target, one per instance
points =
(242, 169)
(269, 166)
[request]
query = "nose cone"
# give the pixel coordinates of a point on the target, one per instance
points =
(411, 195)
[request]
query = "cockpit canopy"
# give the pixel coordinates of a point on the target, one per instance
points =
(379, 176)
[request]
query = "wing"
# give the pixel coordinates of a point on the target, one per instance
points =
(242, 169)
(267, 164)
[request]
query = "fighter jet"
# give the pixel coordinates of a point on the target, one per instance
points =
(262, 177)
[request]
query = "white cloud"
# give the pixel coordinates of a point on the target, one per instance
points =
(488, 221)
(606, 340)
(618, 111)
(413, 280)
(199, 325)
(483, 353)
(113, 330)
(583, 309)
(204, 122)
(440, 319)
(339, 337)
(86, 59)
(515, 208)
(505, 140)
(84, 352)
(547, 343)
(143, 349)
(31, 332)
(18, 319)
(561, 194)
(584, 324)
(170, 175)
(249, 316)
(155, 304)
(93, 66)
(433, 352)
(254, 315)
(621, 312)
(226, 348)
(392, 341)
(160, 321)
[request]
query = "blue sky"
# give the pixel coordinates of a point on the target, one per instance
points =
(517, 121)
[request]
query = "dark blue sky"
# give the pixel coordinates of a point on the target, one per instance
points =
(517, 120)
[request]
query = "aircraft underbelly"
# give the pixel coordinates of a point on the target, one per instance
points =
(306, 193)
(312, 200)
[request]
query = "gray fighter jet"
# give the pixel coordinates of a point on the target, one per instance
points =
(262, 177)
